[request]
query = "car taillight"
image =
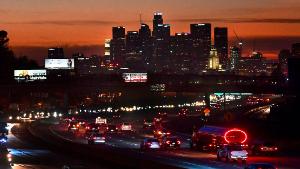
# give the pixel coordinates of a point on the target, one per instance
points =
(276, 148)
(261, 148)
(168, 133)
(210, 145)
(168, 142)
(77, 125)
(103, 138)
(148, 143)
(8, 156)
(94, 138)
(178, 142)
(159, 132)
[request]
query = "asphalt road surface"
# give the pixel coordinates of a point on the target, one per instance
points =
(30, 153)
(184, 157)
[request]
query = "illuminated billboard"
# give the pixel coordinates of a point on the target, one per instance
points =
(135, 77)
(30, 75)
(59, 63)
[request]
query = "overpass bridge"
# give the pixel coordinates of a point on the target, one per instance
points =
(72, 88)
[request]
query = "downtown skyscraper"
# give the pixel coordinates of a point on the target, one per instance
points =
(117, 46)
(146, 44)
(201, 37)
(221, 44)
(159, 51)
(161, 43)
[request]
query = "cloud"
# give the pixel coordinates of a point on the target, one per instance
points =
(192, 20)
(241, 20)
(65, 22)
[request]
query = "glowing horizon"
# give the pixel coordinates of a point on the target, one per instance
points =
(38, 23)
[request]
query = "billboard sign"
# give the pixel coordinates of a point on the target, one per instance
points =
(135, 77)
(30, 75)
(59, 63)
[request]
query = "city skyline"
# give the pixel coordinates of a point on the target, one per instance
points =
(31, 26)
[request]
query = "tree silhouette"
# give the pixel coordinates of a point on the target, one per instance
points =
(7, 58)
(8, 61)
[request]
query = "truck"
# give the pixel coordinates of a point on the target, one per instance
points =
(211, 138)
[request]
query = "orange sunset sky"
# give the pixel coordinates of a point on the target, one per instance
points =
(82, 25)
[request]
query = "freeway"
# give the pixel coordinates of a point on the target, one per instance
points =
(30, 153)
(183, 158)
(119, 148)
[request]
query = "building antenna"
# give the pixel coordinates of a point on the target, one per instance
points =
(240, 42)
(254, 45)
(140, 15)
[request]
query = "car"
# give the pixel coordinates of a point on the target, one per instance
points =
(3, 139)
(92, 127)
(260, 166)
(265, 148)
(232, 152)
(6, 159)
(148, 124)
(111, 128)
(160, 133)
(81, 123)
(102, 127)
(162, 115)
(183, 113)
(150, 143)
(170, 142)
(94, 138)
(73, 126)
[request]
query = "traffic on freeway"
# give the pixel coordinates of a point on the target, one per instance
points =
(217, 86)
(209, 146)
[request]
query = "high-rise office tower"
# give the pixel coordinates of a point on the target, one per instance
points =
(181, 44)
(146, 46)
(107, 47)
(283, 60)
(132, 42)
(162, 41)
(235, 55)
(56, 53)
(144, 32)
(201, 36)
(221, 44)
(294, 69)
(180, 52)
(118, 32)
(157, 20)
(296, 50)
(117, 45)
(213, 59)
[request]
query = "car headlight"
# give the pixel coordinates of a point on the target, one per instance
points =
(9, 157)
(3, 140)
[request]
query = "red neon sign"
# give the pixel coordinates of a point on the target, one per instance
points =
(235, 136)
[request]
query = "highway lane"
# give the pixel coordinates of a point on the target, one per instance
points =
(184, 157)
(29, 153)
